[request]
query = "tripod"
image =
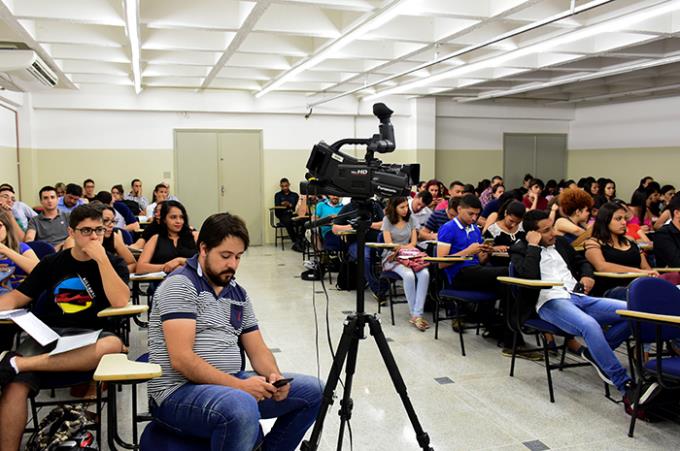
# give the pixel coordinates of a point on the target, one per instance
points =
(348, 349)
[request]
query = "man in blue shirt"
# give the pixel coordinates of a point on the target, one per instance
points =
(288, 200)
(328, 207)
(71, 198)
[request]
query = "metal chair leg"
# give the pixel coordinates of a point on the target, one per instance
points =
(546, 358)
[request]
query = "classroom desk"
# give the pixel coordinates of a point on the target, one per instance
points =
(529, 283)
(130, 309)
(382, 245)
(620, 275)
(663, 270)
(347, 232)
(452, 259)
(633, 314)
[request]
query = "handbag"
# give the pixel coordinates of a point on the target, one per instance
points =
(413, 258)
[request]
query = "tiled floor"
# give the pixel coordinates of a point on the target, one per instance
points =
(463, 403)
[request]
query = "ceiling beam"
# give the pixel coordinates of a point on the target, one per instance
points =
(246, 27)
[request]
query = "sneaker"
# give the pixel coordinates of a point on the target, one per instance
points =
(588, 357)
(534, 356)
(7, 372)
(648, 391)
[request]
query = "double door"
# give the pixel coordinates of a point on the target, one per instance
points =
(542, 155)
(218, 171)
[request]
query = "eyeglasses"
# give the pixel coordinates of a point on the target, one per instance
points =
(87, 231)
(108, 222)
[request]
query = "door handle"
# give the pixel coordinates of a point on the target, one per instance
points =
(222, 190)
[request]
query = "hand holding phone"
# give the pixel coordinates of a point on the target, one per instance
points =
(281, 382)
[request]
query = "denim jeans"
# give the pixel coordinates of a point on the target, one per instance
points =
(376, 285)
(415, 287)
(230, 417)
(584, 316)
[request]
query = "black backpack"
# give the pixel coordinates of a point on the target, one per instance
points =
(347, 277)
(64, 428)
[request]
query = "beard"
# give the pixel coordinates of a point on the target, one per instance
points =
(219, 278)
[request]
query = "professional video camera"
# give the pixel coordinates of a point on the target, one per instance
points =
(336, 173)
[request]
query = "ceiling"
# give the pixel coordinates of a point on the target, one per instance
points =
(467, 50)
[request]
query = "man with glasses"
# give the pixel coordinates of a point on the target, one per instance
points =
(71, 199)
(78, 283)
(50, 225)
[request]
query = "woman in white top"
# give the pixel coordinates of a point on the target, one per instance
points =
(160, 194)
(400, 228)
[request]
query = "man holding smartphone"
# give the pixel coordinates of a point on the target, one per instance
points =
(200, 324)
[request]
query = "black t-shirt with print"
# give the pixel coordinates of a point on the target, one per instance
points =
(73, 290)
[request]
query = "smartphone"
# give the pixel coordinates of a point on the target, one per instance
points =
(281, 382)
(489, 242)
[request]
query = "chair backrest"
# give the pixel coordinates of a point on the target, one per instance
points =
(128, 239)
(41, 248)
(653, 295)
(133, 206)
(272, 218)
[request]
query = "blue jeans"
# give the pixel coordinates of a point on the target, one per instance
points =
(415, 287)
(584, 316)
(230, 417)
(376, 286)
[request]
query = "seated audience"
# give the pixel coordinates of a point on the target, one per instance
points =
(508, 228)
(151, 229)
(641, 209)
(21, 212)
(546, 256)
(60, 188)
(88, 190)
(610, 251)
(7, 200)
(400, 227)
(633, 230)
(489, 214)
(534, 199)
(607, 192)
(170, 196)
(667, 194)
(566, 184)
(421, 186)
(436, 189)
(550, 189)
(174, 244)
(94, 280)
(71, 198)
(286, 200)
(118, 197)
(201, 325)
(122, 216)
(437, 219)
(306, 205)
(50, 225)
(136, 195)
(488, 194)
(160, 194)
(330, 206)
(575, 205)
(526, 182)
(456, 189)
(644, 183)
(14, 253)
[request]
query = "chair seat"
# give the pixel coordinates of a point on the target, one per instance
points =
(670, 366)
(391, 275)
(156, 437)
(468, 295)
(543, 326)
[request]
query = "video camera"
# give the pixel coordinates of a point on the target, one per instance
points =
(335, 173)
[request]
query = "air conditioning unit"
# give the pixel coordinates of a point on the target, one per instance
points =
(24, 70)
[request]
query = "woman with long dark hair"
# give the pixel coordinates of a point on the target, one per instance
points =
(609, 250)
(508, 228)
(436, 188)
(174, 244)
(399, 227)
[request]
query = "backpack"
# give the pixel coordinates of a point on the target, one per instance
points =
(347, 277)
(64, 428)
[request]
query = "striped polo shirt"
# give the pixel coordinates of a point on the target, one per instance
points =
(220, 320)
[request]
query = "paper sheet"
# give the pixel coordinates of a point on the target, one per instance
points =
(35, 328)
(147, 275)
(65, 344)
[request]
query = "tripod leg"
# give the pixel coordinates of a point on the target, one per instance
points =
(346, 403)
(398, 381)
(348, 335)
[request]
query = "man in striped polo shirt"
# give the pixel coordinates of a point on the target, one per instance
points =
(200, 322)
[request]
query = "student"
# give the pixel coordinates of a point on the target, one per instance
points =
(94, 280)
(136, 194)
(526, 181)
(607, 192)
(610, 251)
(118, 198)
(287, 200)
(50, 225)
(22, 213)
(153, 228)
(160, 194)
(546, 256)
(436, 189)
(419, 208)
(437, 219)
(550, 189)
(456, 189)
(640, 207)
(644, 182)
(399, 227)
(71, 198)
(667, 192)
(534, 199)
(575, 205)
(14, 253)
(123, 215)
(327, 207)
(667, 238)
(60, 188)
(488, 194)
(508, 228)
(88, 190)
(174, 244)
(489, 214)
(201, 327)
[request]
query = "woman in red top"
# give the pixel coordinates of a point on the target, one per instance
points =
(534, 199)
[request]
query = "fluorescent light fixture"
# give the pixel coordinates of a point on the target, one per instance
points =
(132, 26)
(379, 19)
(577, 78)
(607, 26)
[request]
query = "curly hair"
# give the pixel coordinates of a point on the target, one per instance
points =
(573, 199)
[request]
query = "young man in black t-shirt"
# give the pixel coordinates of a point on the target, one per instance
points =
(70, 288)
